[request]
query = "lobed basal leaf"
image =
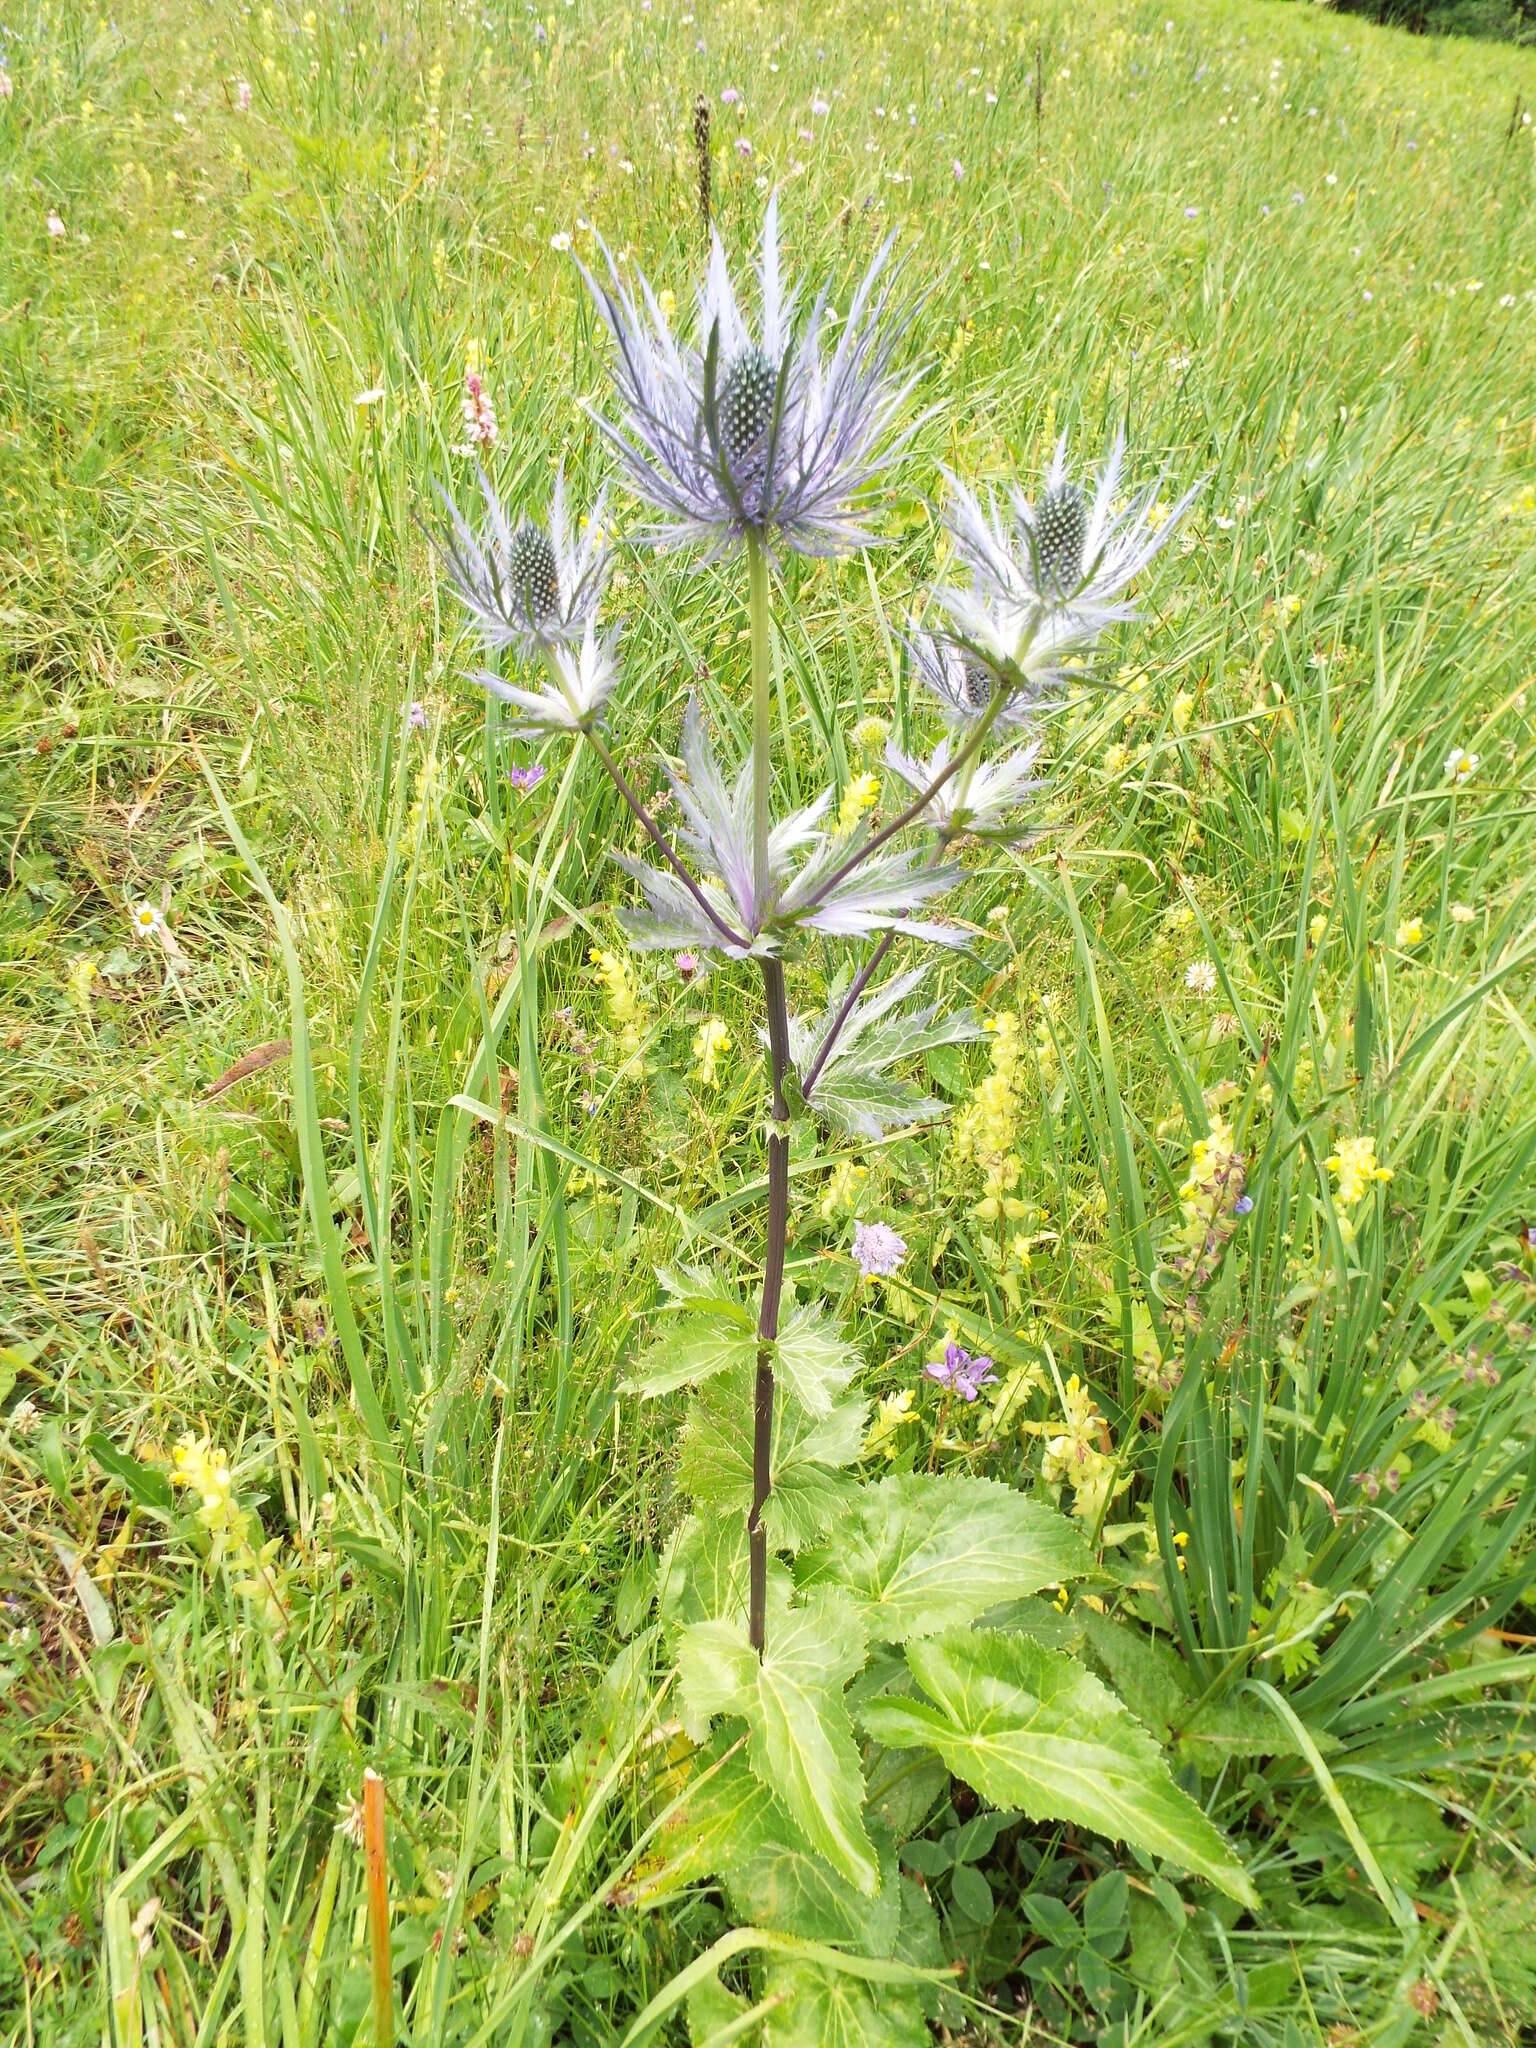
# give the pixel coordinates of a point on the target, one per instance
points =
(923, 1552)
(1029, 1728)
(799, 1735)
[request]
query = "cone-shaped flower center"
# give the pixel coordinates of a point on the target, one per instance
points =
(746, 406)
(1061, 534)
(532, 576)
(976, 682)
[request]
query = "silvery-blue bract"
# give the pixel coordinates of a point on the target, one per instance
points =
(805, 889)
(581, 680)
(742, 433)
(983, 803)
(965, 681)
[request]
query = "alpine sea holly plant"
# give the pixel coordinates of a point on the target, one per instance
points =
(755, 441)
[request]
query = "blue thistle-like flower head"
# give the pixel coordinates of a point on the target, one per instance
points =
(965, 681)
(744, 433)
(1054, 576)
(527, 586)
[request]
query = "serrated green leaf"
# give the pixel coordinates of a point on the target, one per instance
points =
(923, 1552)
(733, 1829)
(705, 1326)
(705, 1573)
(692, 1347)
(903, 1787)
(715, 1466)
(713, 2011)
(800, 1738)
(813, 1360)
(1028, 1727)
(817, 2008)
(1154, 1681)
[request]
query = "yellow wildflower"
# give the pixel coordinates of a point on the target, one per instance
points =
(844, 1186)
(1075, 1456)
(1355, 1166)
(861, 795)
(986, 1129)
(1411, 932)
(709, 1041)
(203, 1466)
(892, 1414)
(625, 1008)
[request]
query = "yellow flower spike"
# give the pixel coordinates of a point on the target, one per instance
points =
(861, 795)
(709, 1042)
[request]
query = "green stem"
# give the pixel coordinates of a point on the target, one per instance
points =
(762, 713)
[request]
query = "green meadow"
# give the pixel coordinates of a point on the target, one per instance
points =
(350, 1155)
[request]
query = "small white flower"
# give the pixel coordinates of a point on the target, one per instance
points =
(24, 1418)
(1200, 977)
(55, 225)
(1460, 766)
(560, 242)
(147, 921)
(374, 395)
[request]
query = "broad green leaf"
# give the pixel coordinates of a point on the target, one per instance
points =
(923, 1552)
(691, 1347)
(782, 1885)
(715, 2013)
(715, 1468)
(732, 1828)
(817, 2008)
(1154, 1681)
(704, 1576)
(800, 1739)
(704, 1327)
(1028, 1727)
(812, 1360)
(903, 1787)
(150, 1488)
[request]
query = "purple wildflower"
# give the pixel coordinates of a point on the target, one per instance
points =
(962, 1374)
(877, 1250)
(524, 779)
(416, 716)
(687, 965)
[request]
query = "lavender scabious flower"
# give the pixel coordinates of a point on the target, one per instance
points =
(527, 586)
(1063, 568)
(877, 1250)
(962, 1374)
(742, 434)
